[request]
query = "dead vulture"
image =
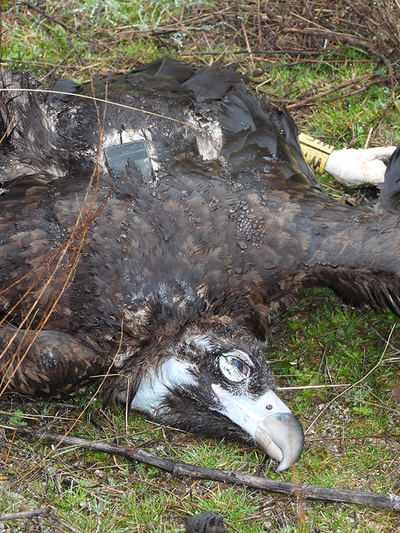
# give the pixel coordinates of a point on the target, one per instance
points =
(151, 234)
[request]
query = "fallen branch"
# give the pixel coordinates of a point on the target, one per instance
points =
(383, 501)
(28, 515)
(23, 515)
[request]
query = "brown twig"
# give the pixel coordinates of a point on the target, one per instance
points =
(63, 523)
(52, 71)
(347, 95)
(246, 38)
(382, 501)
(390, 103)
(288, 51)
(304, 100)
(28, 515)
(171, 28)
(344, 38)
(375, 81)
(357, 437)
(56, 21)
(311, 100)
(42, 64)
(24, 514)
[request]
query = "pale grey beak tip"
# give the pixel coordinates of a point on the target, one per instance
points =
(286, 439)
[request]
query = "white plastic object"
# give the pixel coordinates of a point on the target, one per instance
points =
(359, 166)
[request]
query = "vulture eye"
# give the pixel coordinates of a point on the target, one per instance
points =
(239, 365)
(233, 368)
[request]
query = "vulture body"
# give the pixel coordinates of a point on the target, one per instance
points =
(151, 242)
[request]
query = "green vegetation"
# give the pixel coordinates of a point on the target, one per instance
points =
(350, 442)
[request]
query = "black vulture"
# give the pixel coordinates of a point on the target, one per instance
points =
(152, 233)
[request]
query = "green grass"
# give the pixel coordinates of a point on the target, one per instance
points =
(344, 122)
(320, 342)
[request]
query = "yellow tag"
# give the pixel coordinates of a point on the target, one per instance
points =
(315, 152)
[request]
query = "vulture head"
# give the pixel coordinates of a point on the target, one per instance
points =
(214, 381)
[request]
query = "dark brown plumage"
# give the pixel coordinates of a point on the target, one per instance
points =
(165, 263)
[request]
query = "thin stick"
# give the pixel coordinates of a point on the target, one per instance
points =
(358, 437)
(63, 523)
(288, 51)
(56, 21)
(330, 90)
(248, 46)
(24, 514)
(102, 100)
(347, 38)
(27, 515)
(382, 501)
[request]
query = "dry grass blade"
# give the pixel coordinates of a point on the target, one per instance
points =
(353, 384)
(108, 102)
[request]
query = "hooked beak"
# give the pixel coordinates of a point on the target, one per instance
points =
(268, 421)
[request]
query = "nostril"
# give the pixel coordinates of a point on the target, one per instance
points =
(268, 406)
